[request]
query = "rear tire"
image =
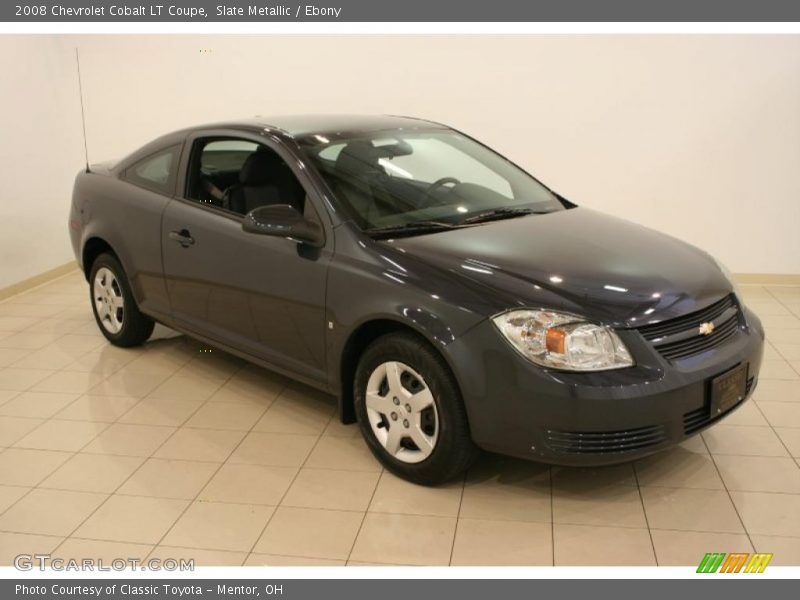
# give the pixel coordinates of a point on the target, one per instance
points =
(410, 410)
(114, 307)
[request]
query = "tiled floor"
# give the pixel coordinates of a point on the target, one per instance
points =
(169, 451)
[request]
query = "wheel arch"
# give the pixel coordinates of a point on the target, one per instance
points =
(93, 247)
(359, 339)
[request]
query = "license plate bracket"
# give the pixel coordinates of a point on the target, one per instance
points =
(728, 389)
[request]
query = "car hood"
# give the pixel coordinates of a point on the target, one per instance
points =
(577, 260)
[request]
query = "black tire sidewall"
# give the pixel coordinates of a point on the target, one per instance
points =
(135, 326)
(453, 431)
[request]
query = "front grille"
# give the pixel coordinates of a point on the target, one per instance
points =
(699, 343)
(680, 337)
(699, 418)
(605, 442)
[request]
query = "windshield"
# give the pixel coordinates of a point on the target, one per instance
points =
(403, 179)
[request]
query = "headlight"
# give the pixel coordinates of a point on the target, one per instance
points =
(563, 341)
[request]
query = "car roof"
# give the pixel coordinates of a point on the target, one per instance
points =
(331, 126)
(297, 126)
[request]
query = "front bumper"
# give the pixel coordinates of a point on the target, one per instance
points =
(520, 409)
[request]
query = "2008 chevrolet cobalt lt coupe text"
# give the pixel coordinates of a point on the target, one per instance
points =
(449, 299)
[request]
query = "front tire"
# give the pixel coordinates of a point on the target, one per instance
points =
(410, 410)
(114, 307)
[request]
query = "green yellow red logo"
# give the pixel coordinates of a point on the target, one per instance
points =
(735, 562)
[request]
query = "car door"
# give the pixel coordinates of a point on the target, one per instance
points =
(261, 295)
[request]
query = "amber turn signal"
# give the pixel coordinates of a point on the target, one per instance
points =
(554, 340)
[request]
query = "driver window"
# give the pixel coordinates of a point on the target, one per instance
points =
(239, 175)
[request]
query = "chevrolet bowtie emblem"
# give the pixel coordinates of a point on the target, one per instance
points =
(706, 328)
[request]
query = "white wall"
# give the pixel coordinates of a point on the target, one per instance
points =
(41, 150)
(698, 136)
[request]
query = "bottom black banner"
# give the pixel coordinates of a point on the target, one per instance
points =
(733, 588)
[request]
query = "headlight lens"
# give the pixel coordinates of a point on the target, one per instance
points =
(563, 341)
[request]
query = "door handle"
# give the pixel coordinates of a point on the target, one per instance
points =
(183, 237)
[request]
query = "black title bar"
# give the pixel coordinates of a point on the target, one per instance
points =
(401, 11)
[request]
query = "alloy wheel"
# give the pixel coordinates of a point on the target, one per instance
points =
(402, 412)
(108, 300)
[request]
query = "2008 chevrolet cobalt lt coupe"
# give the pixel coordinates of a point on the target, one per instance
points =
(447, 298)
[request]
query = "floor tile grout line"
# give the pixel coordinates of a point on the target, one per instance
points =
(230, 502)
(703, 531)
(458, 515)
(58, 337)
(724, 424)
(148, 456)
(291, 483)
(796, 369)
(644, 511)
(319, 437)
(179, 547)
(205, 549)
(149, 396)
(776, 434)
(570, 522)
(712, 489)
(784, 305)
(108, 424)
(50, 473)
(109, 496)
(770, 292)
(30, 388)
(792, 537)
(364, 515)
(728, 492)
(66, 368)
(214, 474)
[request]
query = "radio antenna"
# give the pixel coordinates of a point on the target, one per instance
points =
(83, 112)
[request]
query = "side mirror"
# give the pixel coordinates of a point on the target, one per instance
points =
(283, 220)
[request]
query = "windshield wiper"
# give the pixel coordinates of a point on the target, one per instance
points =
(410, 229)
(502, 213)
(432, 226)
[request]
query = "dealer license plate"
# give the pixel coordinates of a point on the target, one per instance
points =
(728, 390)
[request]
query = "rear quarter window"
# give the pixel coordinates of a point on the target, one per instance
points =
(156, 172)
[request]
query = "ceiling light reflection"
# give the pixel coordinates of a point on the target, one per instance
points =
(615, 288)
(477, 269)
